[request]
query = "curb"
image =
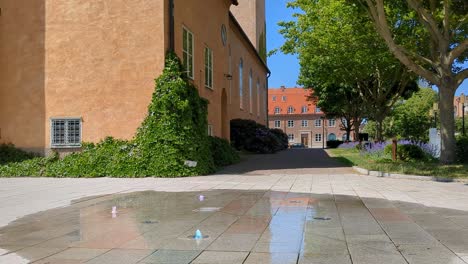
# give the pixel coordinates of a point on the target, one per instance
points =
(382, 174)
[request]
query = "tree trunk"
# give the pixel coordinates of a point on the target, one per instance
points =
(348, 133)
(447, 121)
(357, 126)
(379, 130)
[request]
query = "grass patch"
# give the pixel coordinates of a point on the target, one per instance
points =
(353, 157)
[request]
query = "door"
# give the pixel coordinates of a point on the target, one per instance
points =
(305, 139)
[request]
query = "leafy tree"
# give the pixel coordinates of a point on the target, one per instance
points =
(343, 103)
(430, 38)
(338, 47)
(411, 119)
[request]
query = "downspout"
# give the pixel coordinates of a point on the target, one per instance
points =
(266, 98)
(171, 26)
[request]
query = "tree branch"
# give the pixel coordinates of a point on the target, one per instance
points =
(458, 50)
(377, 12)
(426, 19)
(446, 21)
(461, 76)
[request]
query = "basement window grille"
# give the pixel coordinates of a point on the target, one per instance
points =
(66, 133)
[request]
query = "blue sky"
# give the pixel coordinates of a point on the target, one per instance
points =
(285, 68)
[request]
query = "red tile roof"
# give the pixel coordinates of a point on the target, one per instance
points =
(295, 97)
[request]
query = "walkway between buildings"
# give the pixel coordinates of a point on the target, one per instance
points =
(291, 161)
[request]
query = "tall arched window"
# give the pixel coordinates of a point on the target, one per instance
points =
(331, 137)
(250, 92)
(241, 83)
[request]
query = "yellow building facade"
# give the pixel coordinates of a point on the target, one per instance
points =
(78, 71)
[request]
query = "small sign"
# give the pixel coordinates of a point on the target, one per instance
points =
(191, 164)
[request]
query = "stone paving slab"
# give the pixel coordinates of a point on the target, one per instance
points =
(281, 215)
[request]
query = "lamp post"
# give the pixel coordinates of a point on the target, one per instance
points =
(463, 102)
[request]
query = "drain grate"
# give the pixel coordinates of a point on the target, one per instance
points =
(322, 218)
(149, 222)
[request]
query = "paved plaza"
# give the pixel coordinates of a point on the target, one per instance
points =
(297, 206)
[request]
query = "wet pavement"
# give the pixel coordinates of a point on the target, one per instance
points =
(282, 215)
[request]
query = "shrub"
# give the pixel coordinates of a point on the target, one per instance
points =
(223, 153)
(283, 137)
(334, 143)
(410, 152)
(175, 129)
(242, 130)
(173, 132)
(253, 137)
(8, 154)
(462, 149)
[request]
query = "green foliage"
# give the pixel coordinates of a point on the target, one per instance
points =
(462, 149)
(250, 136)
(173, 132)
(8, 154)
(410, 152)
(459, 124)
(340, 53)
(175, 128)
(283, 137)
(410, 118)
(407, 152)
(262, 46)
(223, 153)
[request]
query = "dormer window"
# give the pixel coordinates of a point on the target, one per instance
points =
(277, 110)
(283, 98)
(305, 109)
(290, 110)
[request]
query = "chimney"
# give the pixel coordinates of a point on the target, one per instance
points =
(283, 88)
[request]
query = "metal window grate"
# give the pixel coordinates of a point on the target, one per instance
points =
(66, 132)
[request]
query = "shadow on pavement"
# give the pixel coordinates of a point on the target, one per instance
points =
(288, 161)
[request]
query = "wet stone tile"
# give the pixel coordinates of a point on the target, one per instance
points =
(171, 257)
(221, 257)
(121, 256)
(271, 258)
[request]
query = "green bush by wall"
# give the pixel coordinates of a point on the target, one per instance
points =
(223, 153)
(8, 153)
(173, 133)
(253, 137)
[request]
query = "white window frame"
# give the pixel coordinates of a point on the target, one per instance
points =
(277, 110)
(208, 67)
(277, 123)
(305, 123)
(273, 98)
(318, 110)
(187, 54)
(331, 122)
(66, 144)
(318, 122)
(291, 137)
(319, 137)
(241, 84)
(290, 110)
(210, 130)
(290, 123)
(305, 109)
